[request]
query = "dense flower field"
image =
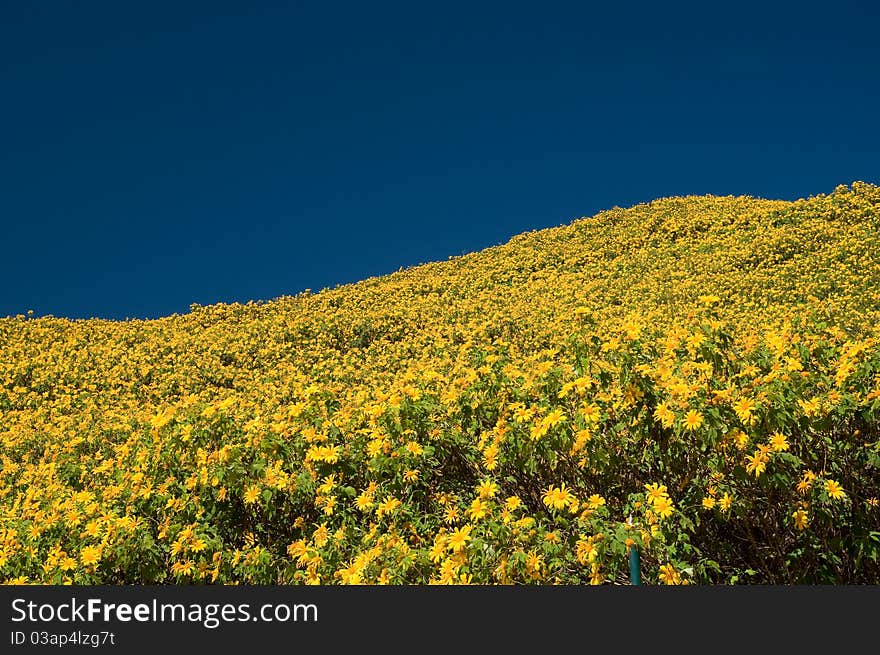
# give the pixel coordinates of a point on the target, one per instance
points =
(697, 377)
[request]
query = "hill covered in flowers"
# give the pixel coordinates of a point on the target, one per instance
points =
(696, 377)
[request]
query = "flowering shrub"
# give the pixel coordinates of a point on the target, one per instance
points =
(698, 378)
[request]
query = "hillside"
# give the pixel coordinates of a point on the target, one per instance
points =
(698, 376)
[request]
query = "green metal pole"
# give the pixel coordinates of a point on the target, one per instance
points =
(635, 575)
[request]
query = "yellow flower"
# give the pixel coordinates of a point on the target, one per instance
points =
(90, 555)
(591, 413)
(693, 420)
(534, 564)
(558, 497)
(477, 509)
(438, 550)
(554, 418)
(487, 489)
(387, 506)
(581, 439)
(538, 430)
(740, 438)
(665, 415)
(596, 577)
(450, 514)
(778, 442)
(668, 575)
(297, 548)
(364, 501)
(593, 338)
(834, 490)
(809, 407)
(328, 484)
(744, 408)
(656, 491)
(321, 535)
(459, 538)
(806, 483)
(757, 463)
(252, 493)
(414, 448)
(586, 550)
(663, 506)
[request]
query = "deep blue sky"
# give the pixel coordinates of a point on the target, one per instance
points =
(157, 154)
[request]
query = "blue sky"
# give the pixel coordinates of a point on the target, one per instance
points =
(159, 154)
